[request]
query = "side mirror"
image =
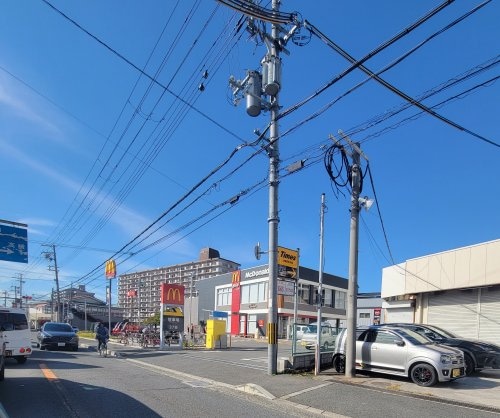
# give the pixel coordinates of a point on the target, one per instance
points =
(400, 343)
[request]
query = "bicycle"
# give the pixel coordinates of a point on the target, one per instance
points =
(102, 347)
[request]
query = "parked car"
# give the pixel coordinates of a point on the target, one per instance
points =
(477, 354)
(57, 335)
(299, 330)
(401, 352)
(327, 336)
(16, 333)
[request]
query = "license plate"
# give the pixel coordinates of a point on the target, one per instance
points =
(8, 353)
(456, 372)
(61, 344)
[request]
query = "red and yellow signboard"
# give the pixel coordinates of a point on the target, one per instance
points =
(172, 294)
(236, 278)
(110, 269)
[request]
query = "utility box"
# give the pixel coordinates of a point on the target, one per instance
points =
(216, 331)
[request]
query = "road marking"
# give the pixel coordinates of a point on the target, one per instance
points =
(300, 392)
(49, 374)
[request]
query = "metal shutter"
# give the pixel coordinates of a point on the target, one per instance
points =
(455, 311)
(489, 317)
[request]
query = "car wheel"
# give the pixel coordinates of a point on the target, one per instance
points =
(470, 367)
(339, 363)
(75, 348)
(423, 374)
(42, 347)
(21, 359)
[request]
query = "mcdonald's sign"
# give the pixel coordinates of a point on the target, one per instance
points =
(172, 294)
(110, 269)
(236, 278)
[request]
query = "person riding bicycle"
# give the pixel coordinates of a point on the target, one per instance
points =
(101, 335)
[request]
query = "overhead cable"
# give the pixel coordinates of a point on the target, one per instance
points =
(395, 90)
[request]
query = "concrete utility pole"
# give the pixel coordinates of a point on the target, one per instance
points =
(20, 287)
(273, 220)
(317, 363)
(52, 256)
(352, 290)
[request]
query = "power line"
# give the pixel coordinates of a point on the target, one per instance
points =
(395, 90)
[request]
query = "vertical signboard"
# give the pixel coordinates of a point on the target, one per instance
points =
(171, 307)
(13, 241)
(235, 302)
(288, 263)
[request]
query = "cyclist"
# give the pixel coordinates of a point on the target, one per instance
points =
(101, 335)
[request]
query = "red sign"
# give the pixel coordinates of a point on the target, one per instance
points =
(172, 294)
(132, 293)
(376, 311)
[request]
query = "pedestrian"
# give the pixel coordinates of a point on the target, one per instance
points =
(192, 331)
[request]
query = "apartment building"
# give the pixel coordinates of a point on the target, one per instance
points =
(139, 292)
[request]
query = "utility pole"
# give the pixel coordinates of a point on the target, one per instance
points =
(273, 220)
(51, 256)
(319, 300)
(254, 87)
(15, 293)
(352, 289)
(20, 287)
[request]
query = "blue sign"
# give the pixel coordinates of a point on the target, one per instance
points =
(14, 243)
(219, 314)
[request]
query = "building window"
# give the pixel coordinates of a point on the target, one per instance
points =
(304, 292)
(224, 296)
(364, 315)
(340, 299)
(328, 297)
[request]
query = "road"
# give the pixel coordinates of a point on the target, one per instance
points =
(148, 383)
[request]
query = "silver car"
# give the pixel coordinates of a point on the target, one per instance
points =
(402, 352)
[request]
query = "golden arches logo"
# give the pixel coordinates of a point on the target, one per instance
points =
(174, 295)
(110, 269)
(236, 278)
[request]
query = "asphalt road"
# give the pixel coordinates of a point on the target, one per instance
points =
(195, 383)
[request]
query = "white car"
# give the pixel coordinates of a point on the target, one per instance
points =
(402, 352)
(327, 337)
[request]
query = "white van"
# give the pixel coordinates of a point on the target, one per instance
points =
(16, 333)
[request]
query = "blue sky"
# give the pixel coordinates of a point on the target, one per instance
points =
(93, 152)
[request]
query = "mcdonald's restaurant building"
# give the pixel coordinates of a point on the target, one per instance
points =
(243, 295)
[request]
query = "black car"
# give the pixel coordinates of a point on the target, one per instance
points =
(57, 335)
(477, 354)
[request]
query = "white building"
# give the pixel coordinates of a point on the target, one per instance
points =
(458, 290)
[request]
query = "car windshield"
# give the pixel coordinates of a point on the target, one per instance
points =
(58, 327)
(311, 329)
(442, 332)
(414, 337)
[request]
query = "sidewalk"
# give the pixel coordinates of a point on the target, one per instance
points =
(481, 390)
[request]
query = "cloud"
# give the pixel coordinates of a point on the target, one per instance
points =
(26, 111)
